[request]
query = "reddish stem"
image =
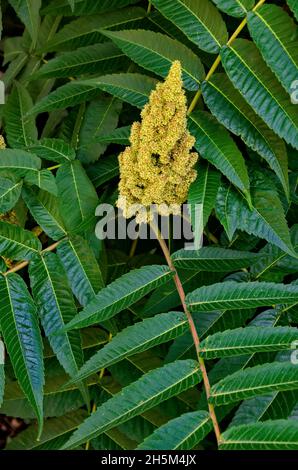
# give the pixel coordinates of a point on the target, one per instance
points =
(192, 327)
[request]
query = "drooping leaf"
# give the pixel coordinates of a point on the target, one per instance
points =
(237, 8)
(28, 12)
(72, 93)
(44, 208)
(86, 31)
(43, 179)
(101, 117)
(20, 329)
(262, 221)
(182, 433)
(12, 47)
(233, 295)
(251, 76)
(147, 392)
(104, 170)
(202, 196)
(56, 307)
(248, 340)
(134, 339)
(215, 145)
(97, 58)
(20, 130)
(81, 266)
(157, 52)
(120, 294)
(213, 259)
(54, 150)
(77, 197)
(19, 162)
(270, 435)
(275, 34)
(253, 381)
(231, 109)
(134, 88)
(17, 243)
(118, 136)
(14, 68)
(10, 191)
(200, 22)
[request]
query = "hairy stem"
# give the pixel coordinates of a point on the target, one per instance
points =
(218, 58)
(192, 327)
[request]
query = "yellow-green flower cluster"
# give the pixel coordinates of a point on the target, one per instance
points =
(157, 168)
(2, 142)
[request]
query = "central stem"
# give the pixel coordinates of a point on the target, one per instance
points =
(192, 327)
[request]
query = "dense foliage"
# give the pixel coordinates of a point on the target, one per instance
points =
(98, 350)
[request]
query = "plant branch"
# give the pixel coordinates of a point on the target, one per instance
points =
(192, 327)
(23, 264)
(218, 58)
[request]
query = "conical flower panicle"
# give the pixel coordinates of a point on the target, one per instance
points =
(157, 168)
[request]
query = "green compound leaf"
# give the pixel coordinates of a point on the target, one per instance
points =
(17, 243)
(275, 34)
(248, 340)
(22, 337)
(182, 433)
(258, 85)
(157, 52)
(231, 109)
(120, 294)
(148, 391)
(237, 8)
(233, 295)
(200, 21)
(134, 339)
(214, 144)
(271, 435)
(214, 259)
(83, 272)
(258, 380)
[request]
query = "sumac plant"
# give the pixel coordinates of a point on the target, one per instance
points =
(146, 344)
